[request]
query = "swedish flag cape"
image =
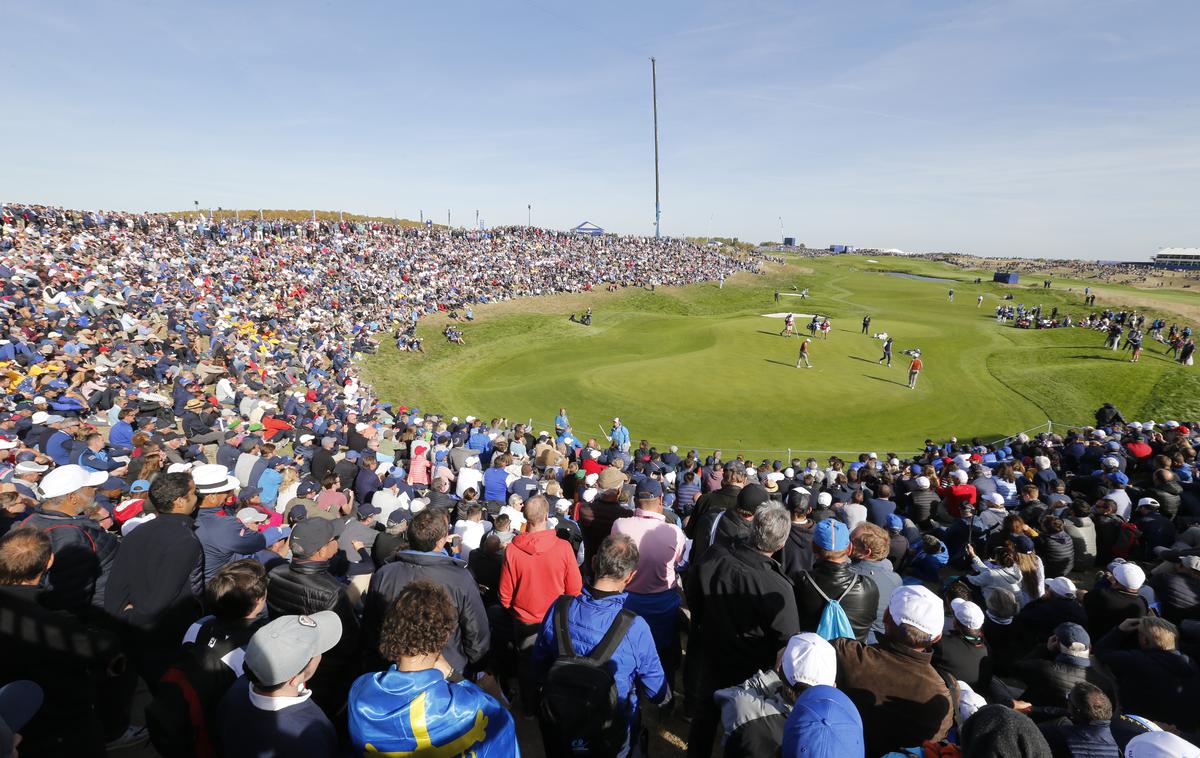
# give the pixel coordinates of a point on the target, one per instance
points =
(419, 713)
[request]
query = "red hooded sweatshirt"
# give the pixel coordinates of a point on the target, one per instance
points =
(538, 568)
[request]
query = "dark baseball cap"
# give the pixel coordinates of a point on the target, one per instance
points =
(648, 489)
(310, 535)
(307, 487)
(366, 509)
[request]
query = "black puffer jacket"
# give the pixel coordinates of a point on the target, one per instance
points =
(860, 604)
(923, 504)
(83, 558)
(1169, 496)
(303, 587)
(1058, 554)
(1048, 678)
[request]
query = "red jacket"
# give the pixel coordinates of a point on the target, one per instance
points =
(272, 426)
(538, 568)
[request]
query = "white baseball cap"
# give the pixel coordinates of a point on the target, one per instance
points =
(968, 614)
(918, 607)
(70, 478)
(1061, 586)
(809, 659)
(1129, 575)
(824, 500)
(1160, 745)
(923, 482)
(40, 417)
(995, 498)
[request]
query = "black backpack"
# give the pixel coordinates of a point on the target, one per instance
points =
(580, 711)
(180, 718)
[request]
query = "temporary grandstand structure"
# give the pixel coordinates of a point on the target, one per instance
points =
(588, 228)
(1178, 258)
(1006, 277)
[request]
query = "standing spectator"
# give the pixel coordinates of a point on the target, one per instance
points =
(268, 712)
(715, 502)
(426, 558)
(74, 663)
(596, 519)
(538, 569)
(869, 559)
(747, 609)
(586, 620)
(832, 578)
(902, 699)
(83, 551)
(754, 712)
(182, 717)
(157, 580)
(796, 557)
(823, 724)
(653, 594)
(413, 707)
(306, 585)
(224, 537)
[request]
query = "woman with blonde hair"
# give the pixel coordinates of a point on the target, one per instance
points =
(147, 465)
(1033, 572)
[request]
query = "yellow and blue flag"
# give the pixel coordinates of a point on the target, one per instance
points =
(421, 715)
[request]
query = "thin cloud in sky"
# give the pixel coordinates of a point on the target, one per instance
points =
(987, 126)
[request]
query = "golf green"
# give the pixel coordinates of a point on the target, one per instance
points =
(702, 366)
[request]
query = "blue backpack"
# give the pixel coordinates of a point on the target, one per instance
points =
(834, 621)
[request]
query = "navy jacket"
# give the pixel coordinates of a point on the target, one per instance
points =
(248, 731)
(469, 642)
(225, 539)
(83, 559)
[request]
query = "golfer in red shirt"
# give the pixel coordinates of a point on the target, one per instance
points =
(914, 369)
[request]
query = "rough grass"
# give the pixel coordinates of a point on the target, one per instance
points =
(699, 366)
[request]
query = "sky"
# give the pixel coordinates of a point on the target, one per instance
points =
(1064, 128)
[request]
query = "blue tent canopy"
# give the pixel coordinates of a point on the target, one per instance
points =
(587, 227)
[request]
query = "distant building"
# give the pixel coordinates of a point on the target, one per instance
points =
(1178, 257)
(841, 248)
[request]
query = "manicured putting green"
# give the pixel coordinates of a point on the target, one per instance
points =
(701, 366)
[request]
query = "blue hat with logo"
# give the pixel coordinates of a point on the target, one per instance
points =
(895, 522)
(831, 534)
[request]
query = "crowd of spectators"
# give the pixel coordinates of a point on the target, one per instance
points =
(199, 493)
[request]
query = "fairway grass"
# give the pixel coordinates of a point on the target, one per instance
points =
(700, 366)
